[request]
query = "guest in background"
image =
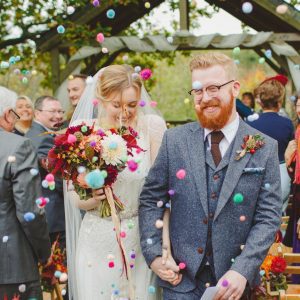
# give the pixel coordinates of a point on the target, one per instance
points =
(24, 108)
(248, 100)
(76, 86)
(24, 242)
(292, 158)
(271, 94)
(48, 113)
(243, 110)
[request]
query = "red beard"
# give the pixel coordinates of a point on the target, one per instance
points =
(218, 120)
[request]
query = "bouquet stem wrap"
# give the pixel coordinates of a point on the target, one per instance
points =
(117, 226)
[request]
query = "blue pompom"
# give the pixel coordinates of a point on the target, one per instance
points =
(29, 216)
(95, 179)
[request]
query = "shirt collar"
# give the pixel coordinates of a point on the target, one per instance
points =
(47, 129)
(229, 130)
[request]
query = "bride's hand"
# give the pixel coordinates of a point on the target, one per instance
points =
(98, 196)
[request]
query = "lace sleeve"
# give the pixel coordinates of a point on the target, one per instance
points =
(157, 127)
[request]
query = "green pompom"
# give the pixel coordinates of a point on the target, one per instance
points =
(238, 198)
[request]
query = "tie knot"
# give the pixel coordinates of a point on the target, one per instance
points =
(216, 137)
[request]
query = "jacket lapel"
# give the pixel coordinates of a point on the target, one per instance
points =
(196, 150)
(235, 169)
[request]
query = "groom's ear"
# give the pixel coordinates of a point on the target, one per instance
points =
(236, 88)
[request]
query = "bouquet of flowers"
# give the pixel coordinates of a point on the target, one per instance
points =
(55, 270)
(92, 159)
(272, 277)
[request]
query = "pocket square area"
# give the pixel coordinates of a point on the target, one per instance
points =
(253, 170)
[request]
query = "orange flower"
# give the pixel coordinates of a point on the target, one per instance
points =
(266, 265)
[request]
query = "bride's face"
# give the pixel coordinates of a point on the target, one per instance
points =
(121, 108)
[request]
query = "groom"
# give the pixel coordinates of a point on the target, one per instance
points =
(226, 209)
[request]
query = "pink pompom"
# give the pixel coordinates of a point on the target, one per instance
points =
(182, 266)
(100, 37)
(71, 138)
(153, 103)
(132, 165)
(49, 177)
(146, 74)
(181, 174)
(122, 234)
(95, 102)
(111, 264)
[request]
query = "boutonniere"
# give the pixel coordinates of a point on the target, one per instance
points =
(251, 144)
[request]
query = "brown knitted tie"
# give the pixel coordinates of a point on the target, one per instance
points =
(216, 138)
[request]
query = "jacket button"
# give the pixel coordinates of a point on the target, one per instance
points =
(216, 177)
(211, 215)
(213, 195)
(205, 221)
(200, 250)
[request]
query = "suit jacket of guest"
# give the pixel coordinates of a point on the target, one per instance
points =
(22, 243)
(183, 148)
(55, 211)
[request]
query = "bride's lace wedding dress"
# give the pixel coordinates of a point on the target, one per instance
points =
(99, 266)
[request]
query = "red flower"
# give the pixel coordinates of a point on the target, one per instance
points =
(278, 265)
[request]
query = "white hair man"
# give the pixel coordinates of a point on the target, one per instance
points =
(23, 227)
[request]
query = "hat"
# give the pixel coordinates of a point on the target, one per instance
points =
(281, 78)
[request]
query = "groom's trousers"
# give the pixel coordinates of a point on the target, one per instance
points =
(205, 276)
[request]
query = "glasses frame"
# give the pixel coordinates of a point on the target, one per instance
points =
(52, 112)
(217, 86)
(16, 115)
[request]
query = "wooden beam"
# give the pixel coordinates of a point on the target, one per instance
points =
(291, 17)
(184, 15)
(55, 68)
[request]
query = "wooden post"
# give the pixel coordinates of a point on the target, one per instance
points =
(55, 69)
(184, 15)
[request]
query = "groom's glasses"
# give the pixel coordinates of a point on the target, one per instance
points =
(211, 90)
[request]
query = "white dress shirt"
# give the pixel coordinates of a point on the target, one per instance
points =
(229, 132)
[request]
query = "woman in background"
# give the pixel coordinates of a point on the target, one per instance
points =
(24, 108)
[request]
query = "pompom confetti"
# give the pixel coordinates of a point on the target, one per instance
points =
(267, 186)
(160, 204)
(242, 218)
(225, 283)
(171, 192)
(182, 266)
(153, 103)
(49, 177)
(42, 202)
(132, 165)
(146, 74)
(142, 103)
(89, 80)
(96, 3)
(34, 172)
(11, 159)
(100, 37)
(186, 101)
(147, 5)
(61, 29)
(261, 60)
(29, 216)
(57, 274)
(110, 13)
(4, 239)
(104, 50)
(196, 85)
(170, 39)
(282, 9)
(111, 264)
(159, 224)
(22, 288)
(70, 10)
(95, 179)
(149, 241)
(238, 198)
(137, 69)
(247, 7)
(181, 174)
(151, 289)
(236, 50)
(63, 277)
(268, 53)
(45, 184)
(72, 139)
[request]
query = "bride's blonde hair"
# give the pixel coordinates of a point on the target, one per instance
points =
(115, 79)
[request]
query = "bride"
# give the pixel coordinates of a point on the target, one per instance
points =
(95, 265)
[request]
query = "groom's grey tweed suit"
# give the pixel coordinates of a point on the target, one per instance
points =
(203, 213)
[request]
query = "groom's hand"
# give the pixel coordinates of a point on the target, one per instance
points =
(167, 272)
(233, 287)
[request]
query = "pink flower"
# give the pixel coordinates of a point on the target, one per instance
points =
(146, 74)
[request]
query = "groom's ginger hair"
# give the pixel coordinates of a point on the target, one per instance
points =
(206, 60)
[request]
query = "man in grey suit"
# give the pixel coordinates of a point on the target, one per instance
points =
(24, 240)
(48, 113)
(225, 204)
